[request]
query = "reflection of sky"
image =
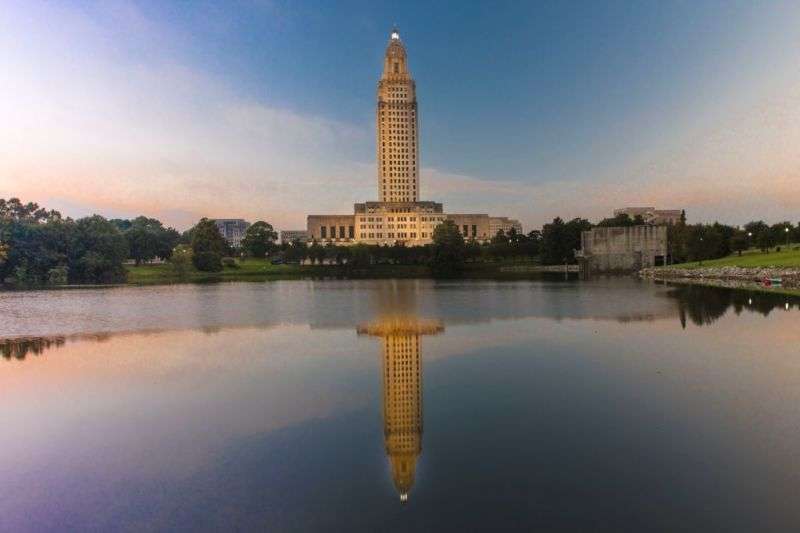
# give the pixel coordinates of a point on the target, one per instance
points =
(284, 423)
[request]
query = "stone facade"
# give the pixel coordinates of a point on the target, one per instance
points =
(399, 217)
(625, 249)
(503, 224)
(397, 127)
(291, 235)
(232, 229)
(332, 228)
(476, 227)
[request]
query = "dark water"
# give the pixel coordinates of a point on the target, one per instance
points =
(398, 406)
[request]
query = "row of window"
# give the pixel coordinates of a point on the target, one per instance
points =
(323, 232)
(400, 235)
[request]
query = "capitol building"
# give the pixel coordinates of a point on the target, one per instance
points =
(399, 216)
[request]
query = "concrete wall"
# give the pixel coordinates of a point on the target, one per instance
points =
(477, 225)
(624, 249)
(317, 222)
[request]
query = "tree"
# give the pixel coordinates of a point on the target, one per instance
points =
(259, 239)
(560, 240)
(739, 242)
(448, 247)
(97, 251)
(764, 241)
(181, 259)
(208, 246)
(620, 221)
(296, 252)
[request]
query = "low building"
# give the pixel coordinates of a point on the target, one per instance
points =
(473, 226)
(232, 229)
(503, 224)
(651, 215)
(622, 249)
(291, 235)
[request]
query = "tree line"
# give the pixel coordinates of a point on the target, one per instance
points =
(39, 246)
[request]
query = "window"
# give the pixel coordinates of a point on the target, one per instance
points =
(474, 230)
(351, 231)
(323, 232)
(341, 232)
(333, 232)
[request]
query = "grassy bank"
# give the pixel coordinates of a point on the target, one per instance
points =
(261, 269)
(753, 259)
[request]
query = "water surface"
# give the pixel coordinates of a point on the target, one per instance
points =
(400, 405)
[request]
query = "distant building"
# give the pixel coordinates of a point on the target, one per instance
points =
(291, 235)
(399, 216)
(503, 224)
(622, 249)
(651, 215)
(232, 229)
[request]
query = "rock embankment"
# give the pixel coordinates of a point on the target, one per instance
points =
(790, 277)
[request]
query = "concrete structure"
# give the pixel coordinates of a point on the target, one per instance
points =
(291, 235)
(233, 229)
(651, 215)
(399, 216)
(503, 224)
(626, 249)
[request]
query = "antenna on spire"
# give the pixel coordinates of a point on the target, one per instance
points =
(395, 32)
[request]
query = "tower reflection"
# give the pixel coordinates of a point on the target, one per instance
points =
(402, 392)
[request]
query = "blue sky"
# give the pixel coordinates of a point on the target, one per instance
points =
(265, 109)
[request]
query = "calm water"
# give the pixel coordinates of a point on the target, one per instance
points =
(400, 405)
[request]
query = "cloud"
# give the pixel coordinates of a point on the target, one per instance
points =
(99, 115)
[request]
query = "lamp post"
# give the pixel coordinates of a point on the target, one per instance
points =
(786, 229)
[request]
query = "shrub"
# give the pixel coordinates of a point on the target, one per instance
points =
(57, 275)
(229, 262)
(207, 261)
(181, 259)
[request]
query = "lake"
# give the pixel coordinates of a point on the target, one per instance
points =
(565, 405)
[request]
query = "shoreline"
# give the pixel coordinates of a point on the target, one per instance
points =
(746, 278)
(252, 271)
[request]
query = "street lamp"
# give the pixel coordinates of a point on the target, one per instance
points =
(786, 229)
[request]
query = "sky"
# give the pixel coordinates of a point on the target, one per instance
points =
(264, 110)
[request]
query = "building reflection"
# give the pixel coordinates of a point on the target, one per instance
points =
(402, 392)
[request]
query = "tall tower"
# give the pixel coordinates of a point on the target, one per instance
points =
(397, 127)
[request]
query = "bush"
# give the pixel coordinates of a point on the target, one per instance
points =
(181, 259)
(207, 261)
(57, 275)
(229, 262)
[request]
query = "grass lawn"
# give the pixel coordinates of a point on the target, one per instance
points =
(248, 269)
(754, 258)
(262, 269)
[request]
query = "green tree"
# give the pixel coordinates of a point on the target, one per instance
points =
(181, 260)
(448, 247)
(560, 240)
(208, 246)
(97, 251)
(296, 252)
(619, 221)
(739, 242)
(259, 239)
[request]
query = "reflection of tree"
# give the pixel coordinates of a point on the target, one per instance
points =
(704, 305)
(402, 392)
(19, 348)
